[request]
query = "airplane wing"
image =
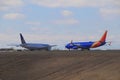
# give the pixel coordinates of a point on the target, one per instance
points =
(76, 45)
(53, 45)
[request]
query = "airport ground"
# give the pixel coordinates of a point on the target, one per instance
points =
(60, 65)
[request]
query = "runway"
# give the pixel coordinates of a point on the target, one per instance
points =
(60, 65)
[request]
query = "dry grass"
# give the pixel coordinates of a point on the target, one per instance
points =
(60, 65)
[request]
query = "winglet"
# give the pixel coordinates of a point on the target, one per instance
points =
(103, 38)
(22, 39)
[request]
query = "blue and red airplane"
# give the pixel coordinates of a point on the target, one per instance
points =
(87, 45)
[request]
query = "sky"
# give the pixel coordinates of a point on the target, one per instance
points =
(59, 21)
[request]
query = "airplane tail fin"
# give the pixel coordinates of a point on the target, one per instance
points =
(22, 39)
(103, 38)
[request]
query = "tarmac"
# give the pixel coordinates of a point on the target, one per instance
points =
(60, 65)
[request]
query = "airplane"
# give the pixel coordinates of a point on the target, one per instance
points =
(87, 45)
(34, 46)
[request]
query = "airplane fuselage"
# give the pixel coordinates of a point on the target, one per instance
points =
(83, 45)
(88, 45)
(33, 46)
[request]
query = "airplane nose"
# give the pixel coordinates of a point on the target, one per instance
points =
(67, 46)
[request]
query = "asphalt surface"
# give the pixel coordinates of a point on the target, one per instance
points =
(60, 65)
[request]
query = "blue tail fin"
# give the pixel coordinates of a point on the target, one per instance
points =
(22, 39)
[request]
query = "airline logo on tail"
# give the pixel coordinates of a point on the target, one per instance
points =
(101, 41)
(22, 39)
(103, 38)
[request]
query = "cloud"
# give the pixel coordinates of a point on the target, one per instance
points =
(10, 4)
(32, 23)
(66, 21)
(116, 3)
(7, 38)
(59, 3)
(40, 30)
(109, 11)
(13, 16)
(75, 3)
(66, 13)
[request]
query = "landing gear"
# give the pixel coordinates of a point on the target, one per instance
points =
(82, 49)
(88, 49)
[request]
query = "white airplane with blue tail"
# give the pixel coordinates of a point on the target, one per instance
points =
(34, 46)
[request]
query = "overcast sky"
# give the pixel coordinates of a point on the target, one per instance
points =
(59, 21)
